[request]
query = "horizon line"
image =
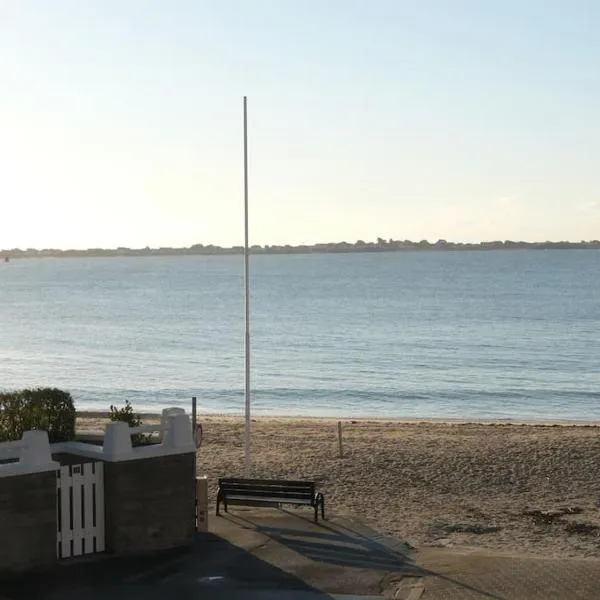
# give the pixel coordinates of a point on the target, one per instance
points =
(379, 243)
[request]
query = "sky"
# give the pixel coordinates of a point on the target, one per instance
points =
(465, 120)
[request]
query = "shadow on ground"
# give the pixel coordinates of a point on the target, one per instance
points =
(213, 568)
(337, 547)
(355, 549)
(268, 555)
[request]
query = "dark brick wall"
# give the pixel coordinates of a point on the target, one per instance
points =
(149, 504)
(27, 522)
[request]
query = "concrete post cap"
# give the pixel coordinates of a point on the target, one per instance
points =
(164, 421)
(179, 431)
(36, 450)
(117, 439)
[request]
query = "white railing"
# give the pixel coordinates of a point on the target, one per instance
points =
(175, 435)
(34, 452)
(11, 450)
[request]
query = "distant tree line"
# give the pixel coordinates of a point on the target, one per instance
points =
(380, 245)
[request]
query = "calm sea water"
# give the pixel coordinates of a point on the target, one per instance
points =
(460, 335)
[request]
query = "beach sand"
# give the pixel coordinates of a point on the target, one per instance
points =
(511, 487)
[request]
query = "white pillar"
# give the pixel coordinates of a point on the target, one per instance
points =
(174, 410)
(37, 448)
(117, 440)
(179, 432)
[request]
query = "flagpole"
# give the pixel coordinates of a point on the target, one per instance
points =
(247, 293)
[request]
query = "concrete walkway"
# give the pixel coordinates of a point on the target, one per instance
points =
(265, 554)
(474, 575)
(342, 556)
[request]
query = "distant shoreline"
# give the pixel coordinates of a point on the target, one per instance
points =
(328, 248)
(100, 414)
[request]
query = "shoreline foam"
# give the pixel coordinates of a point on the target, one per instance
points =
(88, 414)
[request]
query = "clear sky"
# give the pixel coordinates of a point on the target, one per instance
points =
(468, 120)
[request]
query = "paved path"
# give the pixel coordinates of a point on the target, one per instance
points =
(479, 576)
(264, 554)
(342, 556)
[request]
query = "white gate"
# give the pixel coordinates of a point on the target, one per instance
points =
(80, 503)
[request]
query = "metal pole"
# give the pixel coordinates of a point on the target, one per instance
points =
(196, 499)
(247, 290)
(194, 422)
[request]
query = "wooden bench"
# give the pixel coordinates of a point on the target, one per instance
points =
(270, 492)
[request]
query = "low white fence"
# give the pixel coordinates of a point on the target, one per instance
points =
(11, 450)
(33, 453)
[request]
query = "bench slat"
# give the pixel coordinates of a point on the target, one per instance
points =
(237, 486)
(269, 482)
(274, 488)
(295, 490)
(248, 494)
(228, 489)
(263, 492)
(265, 485)
(275, 500)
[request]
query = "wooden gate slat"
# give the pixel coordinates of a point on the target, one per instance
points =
(77, 483)
(99, 493)
(88, 507)
(58, 507)
(65, 513)
(81, 495)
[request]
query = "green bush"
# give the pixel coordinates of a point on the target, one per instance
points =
(40, 408)
(127, 415)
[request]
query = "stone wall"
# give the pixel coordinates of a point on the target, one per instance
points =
(149, 504)
(27, 522)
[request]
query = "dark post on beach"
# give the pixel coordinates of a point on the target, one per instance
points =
(194, 432)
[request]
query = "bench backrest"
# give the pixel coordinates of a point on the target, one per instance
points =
(265, 488)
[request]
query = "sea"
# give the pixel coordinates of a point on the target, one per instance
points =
(476, 335)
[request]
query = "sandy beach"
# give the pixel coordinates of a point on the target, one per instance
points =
(511, 487)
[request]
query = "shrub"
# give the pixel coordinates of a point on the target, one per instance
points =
(50, 409)
(127, 415)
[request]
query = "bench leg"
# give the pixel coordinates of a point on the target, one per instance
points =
(218, 502)
(322, 507)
